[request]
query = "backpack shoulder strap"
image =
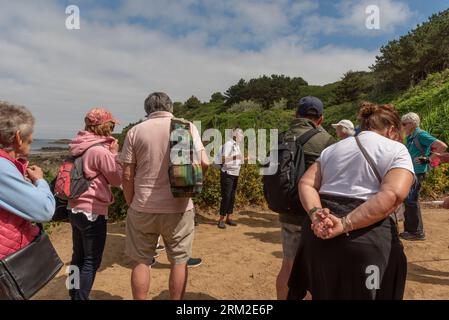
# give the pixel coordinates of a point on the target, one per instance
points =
(304, 138)
(100, 144)
(180, 121)
(369, 159)
(301, 141)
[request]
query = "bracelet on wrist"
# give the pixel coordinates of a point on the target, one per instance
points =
(314, 210)
(347, 225)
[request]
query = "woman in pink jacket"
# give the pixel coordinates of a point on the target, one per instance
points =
(89, 212)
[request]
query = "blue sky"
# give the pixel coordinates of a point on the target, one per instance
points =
(129, 48)
(403, 16)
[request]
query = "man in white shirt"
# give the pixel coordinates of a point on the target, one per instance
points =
(231, 158)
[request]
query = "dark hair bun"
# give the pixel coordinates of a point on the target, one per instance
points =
(367, 109)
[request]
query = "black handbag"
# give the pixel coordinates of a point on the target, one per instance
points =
(25, 272)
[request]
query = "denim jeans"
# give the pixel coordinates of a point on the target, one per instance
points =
(413, 220)
(89, 239)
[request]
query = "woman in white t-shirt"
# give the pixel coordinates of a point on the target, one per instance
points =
(350, 247)
(231, 159)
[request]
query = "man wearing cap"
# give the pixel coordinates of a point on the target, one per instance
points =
(344, 129)
(309, 116)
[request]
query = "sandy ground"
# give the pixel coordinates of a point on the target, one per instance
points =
(242, 262)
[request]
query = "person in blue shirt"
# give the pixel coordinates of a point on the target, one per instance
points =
(420, 145)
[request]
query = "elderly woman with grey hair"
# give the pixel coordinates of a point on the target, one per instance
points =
(25, 196)
(421, 145)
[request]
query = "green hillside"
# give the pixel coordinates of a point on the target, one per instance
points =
(411, 73)
(430, 99)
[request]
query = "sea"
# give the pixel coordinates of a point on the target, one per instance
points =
(38, 144)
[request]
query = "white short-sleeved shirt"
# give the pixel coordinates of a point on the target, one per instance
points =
(231, 149)
(346, 172)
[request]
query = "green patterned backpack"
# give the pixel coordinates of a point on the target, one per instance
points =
(185, 171)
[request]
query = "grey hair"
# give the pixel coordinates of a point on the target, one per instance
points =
(158, 101)
(412, 117)
(14, 119)
(348, 131)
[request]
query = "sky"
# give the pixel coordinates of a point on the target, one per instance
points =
(126, 49)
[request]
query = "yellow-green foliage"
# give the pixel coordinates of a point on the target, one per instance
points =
(249, 190)
(437, 183)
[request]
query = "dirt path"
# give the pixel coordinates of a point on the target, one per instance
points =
(242, 262)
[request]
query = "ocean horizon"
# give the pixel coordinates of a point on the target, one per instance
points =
(38, 144)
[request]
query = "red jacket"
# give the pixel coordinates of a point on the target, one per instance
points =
(15, 232)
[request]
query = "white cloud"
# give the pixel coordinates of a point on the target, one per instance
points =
(60, 74)
(353, 17)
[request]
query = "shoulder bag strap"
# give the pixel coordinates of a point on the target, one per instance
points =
(374, 167)
(369, 159)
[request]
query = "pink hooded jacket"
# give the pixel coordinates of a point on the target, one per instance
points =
(98, 162)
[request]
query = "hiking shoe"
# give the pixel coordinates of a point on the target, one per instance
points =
(194, 262)
(221, 224)
(232, 223)
(153, 262)
(413, 236)
(160, 248)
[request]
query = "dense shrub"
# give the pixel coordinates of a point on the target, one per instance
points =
(117, 210)
(436, 184)
(249, 190)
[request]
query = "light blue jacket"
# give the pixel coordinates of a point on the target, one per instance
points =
(32, 202)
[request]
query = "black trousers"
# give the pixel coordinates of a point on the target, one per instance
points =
(369, 264)
(413, 219)
(228, 187)
(89, 239)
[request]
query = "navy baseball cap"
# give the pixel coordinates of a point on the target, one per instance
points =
(310, 106)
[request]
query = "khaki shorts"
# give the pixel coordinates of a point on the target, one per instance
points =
(290, 236)
(143, 230)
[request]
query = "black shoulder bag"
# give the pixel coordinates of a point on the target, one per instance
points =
(25, 272)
